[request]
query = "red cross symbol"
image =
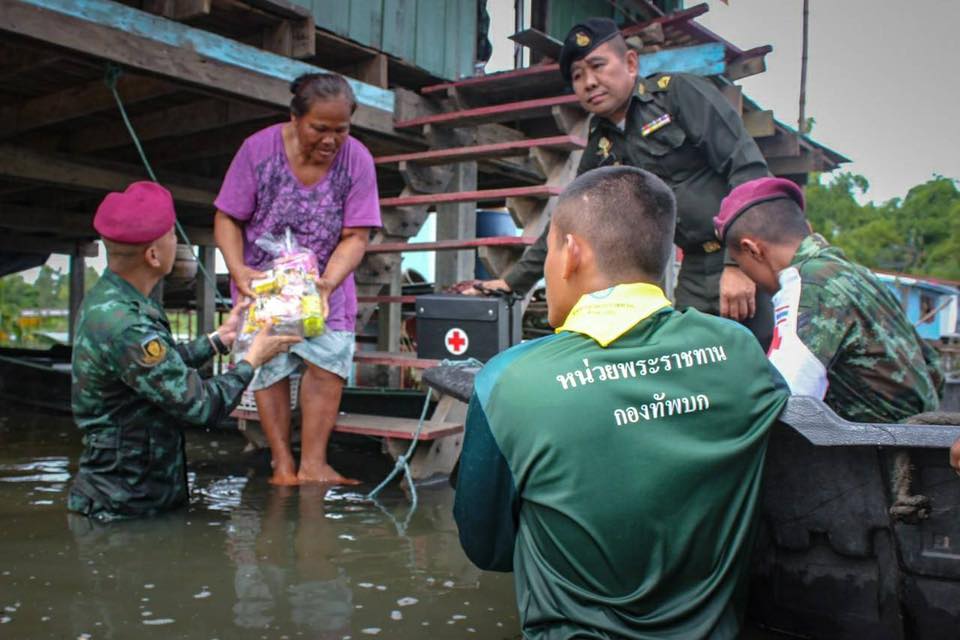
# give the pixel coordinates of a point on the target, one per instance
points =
(456, 341)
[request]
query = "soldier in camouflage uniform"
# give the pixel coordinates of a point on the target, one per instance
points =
(840, 334)
(134, 388)
(680, 128)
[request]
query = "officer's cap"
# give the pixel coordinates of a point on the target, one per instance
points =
(584, 38)
(752, 193)
(141, 214)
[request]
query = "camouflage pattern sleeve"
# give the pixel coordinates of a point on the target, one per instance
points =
(529, 269)
(932, 358)
(821, 325)
(155, 371)
(196, 353)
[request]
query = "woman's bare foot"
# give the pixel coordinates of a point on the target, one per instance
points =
(284, 472)
(284, 480)
(324, 474)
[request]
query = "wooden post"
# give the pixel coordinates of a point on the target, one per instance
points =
(206, 292)
(388, 330)
(457, 221)
(802, 117)
(77, 267)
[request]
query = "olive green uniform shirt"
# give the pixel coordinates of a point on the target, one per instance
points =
(680, 128)
(134, 389)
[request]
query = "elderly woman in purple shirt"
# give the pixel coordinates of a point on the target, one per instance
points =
(310, 175)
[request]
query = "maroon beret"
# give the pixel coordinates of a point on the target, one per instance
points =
(141, 214)
(744, 196)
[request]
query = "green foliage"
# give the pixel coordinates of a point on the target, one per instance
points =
(919, 234)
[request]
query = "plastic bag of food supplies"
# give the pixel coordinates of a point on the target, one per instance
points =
(287, 295)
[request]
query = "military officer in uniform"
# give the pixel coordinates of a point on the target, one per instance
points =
(680, 128)
(134, 388)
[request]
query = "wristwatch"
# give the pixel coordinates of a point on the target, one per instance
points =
(217, 343)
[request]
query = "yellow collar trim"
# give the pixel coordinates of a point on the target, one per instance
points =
(606, 315)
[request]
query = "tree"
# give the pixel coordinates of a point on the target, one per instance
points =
(919, 234)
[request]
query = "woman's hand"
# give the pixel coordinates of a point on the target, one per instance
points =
(243, 276)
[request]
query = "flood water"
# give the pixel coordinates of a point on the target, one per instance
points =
(244, 560)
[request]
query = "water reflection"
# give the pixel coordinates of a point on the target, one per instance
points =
(245, 560)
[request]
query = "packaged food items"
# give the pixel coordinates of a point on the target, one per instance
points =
(287, 295)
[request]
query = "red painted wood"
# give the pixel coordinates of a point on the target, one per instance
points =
(487, 195)
(671, 18)
(494, 150)
(387, 299)
(527, 72)
(394, 359)
(495, 113)
(451, 245)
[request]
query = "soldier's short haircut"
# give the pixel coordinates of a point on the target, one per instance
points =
(628, 217)
(774, 221)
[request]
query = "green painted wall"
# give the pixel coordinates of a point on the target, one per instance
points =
(563, 14)
(437, 35)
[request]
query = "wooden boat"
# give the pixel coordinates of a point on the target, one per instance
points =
(36, 379)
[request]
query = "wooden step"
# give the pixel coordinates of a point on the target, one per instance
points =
(395, 359)
(397, 428)
(488, 195)
(451, 245)
(522, 110)
(485, 151)
(379, 426)
(535, 74)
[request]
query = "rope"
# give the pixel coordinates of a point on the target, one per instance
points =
(113, 75)
(403, 461)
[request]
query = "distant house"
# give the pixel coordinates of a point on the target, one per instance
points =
(931, 305)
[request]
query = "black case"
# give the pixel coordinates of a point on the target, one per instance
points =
(491, 324)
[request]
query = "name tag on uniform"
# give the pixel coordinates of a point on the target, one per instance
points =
(655, 125)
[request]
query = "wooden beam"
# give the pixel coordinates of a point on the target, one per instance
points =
(783, 144)
(292, 38)
(133, 38)
(41, 244)
(450, 245)
(485, 151)
(488, 195)
(179, 9)
(17, 61)
(25, 164)
(759, 124)
(749, 63)
(168, 123)
(538, 42)
(814, 161)
(77, 102)
(71, 223)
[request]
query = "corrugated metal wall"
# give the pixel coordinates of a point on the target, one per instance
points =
(437, 35)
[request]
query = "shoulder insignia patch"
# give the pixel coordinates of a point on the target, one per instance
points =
(583, 40)
(663, 82)
(152, 351)
(641, 88)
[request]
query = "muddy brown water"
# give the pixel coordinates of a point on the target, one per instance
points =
(244, 560)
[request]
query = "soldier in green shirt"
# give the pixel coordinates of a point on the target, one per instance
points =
(680, 128)
(134, 387)
(615, 467)
(840, 333)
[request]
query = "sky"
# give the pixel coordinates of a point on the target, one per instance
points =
(882, 81)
